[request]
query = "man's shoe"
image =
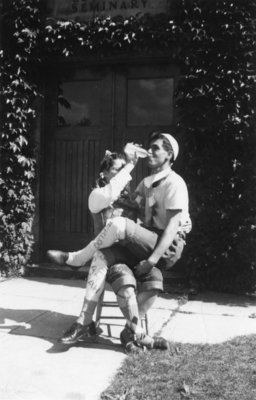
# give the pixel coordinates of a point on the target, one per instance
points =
(127, 338)
(77, 333)
(158, 343)
(161, 343)
(57, 256)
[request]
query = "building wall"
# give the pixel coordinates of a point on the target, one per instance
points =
(70, 154)
(86, 9)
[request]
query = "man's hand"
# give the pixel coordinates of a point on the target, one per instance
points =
(174, 245)
(143, 268)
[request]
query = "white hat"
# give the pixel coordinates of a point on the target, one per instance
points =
(173, 142)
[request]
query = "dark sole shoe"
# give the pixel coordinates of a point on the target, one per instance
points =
(128, 342)
(79, 333)
(157, 343)
(133, 348)
(160, 343)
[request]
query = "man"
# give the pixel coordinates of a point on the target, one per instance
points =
(162, 237)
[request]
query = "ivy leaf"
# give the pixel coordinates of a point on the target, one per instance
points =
(11, 193)
(23, 160)
(29, 174)
(14, 147)
(22, 140)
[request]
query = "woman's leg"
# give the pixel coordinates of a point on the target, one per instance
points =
(139, 240)
(84, 326)
(112, 232)
(94, 287)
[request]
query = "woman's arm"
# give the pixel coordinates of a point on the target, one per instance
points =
(101, 198)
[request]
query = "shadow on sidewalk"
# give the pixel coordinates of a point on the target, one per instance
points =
(76, 283)
(49, 326)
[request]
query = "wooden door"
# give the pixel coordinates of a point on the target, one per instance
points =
(78, 129)
(145, 104)
(91, 111)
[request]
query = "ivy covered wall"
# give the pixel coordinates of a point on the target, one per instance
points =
(213, 42)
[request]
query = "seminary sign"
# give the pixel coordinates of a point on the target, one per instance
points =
(87, 9)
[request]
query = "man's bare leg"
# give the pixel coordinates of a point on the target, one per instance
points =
(146, 300)
(134, 334)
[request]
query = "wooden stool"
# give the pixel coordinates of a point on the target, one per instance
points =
(113, 304)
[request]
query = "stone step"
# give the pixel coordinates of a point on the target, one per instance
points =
(51, 270)
(173, 282)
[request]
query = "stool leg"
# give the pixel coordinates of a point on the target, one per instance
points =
(109, 330)
(99, 309)
(144, 323)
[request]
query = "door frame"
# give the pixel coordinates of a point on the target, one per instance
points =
(72, 69)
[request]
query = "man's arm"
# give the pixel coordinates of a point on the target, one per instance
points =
(167, 236)
(163, 244)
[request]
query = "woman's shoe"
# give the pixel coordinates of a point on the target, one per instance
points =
(60, 257)
(57, 256)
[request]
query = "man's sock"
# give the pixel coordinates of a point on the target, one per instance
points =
(113, 231)
(127, 301)
(94, 287)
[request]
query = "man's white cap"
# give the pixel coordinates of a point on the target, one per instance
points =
(173, 142)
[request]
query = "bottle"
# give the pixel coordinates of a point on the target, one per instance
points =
(131, 149)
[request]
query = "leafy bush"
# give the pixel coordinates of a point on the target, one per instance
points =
(216, 103)
(16, 142)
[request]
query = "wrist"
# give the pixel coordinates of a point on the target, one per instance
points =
(152, 261)
(129, 166)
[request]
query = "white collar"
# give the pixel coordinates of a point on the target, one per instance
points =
(149, 180)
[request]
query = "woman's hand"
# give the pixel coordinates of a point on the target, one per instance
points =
(130, 153)
(131, 158)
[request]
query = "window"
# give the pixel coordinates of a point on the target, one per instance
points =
(79, 103)
(150, 101)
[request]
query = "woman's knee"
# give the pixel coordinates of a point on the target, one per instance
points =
(118, 224)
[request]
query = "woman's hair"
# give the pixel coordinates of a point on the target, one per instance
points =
(105, 165)
(166, 144)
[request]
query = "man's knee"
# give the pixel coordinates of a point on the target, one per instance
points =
(120, 276)
(126, 291)
(126, 294)
(153, 280)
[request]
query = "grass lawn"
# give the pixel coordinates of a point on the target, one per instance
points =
(224, 371)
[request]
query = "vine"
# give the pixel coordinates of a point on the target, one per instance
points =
(16, 140)
(213, 42)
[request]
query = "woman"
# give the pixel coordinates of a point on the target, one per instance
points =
(109, 199)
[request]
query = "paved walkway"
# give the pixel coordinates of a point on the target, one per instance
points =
(36, 311)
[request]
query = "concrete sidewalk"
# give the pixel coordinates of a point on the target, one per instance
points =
(36, 311)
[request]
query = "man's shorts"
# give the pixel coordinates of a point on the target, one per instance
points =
(120, 275)
(137, 247)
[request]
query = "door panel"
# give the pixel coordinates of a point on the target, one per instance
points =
(78, 129)
(145, 104)
(91, 111)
